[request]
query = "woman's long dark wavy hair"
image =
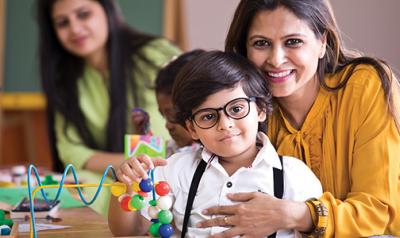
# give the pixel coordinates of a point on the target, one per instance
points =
(61, 70)
(319, 16)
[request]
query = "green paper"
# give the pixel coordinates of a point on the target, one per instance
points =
(13, 196)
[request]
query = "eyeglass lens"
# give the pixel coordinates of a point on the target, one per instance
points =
(235, 109)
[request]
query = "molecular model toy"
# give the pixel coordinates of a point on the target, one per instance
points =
(60, 186)
(158, 209)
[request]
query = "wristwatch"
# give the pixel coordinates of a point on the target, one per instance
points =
(320, 219)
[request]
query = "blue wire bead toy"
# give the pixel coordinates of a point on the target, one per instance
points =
(146, 185)
(166, 230)
(161, 216)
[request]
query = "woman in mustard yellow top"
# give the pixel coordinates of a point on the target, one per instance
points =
(334, 111)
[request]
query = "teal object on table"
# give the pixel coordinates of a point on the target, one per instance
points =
(48, 180)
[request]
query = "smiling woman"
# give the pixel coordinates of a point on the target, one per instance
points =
(82, 29)
(94, 69)
(335, 110)
(288, 56)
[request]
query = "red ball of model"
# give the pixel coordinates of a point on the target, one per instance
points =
(162, 188)
(125, 203)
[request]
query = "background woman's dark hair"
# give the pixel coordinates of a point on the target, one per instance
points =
(167, 75)
(212, 72)
(61, 70)
(319, 16)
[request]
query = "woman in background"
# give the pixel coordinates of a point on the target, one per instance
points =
(336, 111)
(94, 69)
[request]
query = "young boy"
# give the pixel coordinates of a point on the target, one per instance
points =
(223, 101)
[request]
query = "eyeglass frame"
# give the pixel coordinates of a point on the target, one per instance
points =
(248, 99)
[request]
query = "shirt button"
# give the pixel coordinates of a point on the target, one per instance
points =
(229, 184)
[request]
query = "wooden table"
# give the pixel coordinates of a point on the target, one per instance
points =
(84, 223)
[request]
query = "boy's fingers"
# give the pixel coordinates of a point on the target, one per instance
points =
(129, 172)
(146, 160)
(151, 162)
(159, 162)
(123, 178)
(126, 180)
(138, 167)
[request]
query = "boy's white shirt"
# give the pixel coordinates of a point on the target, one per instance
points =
(299, 184)
(172, 148)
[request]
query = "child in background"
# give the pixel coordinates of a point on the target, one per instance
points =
(223, 101)
(181, 139)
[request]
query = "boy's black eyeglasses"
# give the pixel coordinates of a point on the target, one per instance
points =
(236, 109)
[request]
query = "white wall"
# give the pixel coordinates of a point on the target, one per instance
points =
(208, 22)
(371, 26)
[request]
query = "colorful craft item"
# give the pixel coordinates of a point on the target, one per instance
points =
(161, 216)
(153, 146)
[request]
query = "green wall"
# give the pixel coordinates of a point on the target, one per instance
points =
(21, 73)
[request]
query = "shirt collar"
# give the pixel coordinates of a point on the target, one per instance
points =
(267, 153)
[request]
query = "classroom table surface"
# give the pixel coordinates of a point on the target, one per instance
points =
(84, 222)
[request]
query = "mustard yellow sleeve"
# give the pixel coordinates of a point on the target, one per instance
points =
(370, 206)
(71, 149)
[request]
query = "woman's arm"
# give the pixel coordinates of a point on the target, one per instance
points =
(371, 204)
(73, 151)
(99, 161)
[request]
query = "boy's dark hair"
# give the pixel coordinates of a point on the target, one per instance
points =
(167, 75)
(212, 72)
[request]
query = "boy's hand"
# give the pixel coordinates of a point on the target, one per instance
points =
(135, 169)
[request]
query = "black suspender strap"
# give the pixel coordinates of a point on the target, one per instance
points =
(278, 191)
(192, 193)
(278, 186)
(278, 180)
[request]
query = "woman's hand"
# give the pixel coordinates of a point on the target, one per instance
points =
(258, 215)
(135, 169)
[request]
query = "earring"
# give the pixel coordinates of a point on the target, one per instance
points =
(322, 55)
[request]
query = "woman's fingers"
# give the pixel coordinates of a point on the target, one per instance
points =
(242, 197)
(218, 221)
(221, 210)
